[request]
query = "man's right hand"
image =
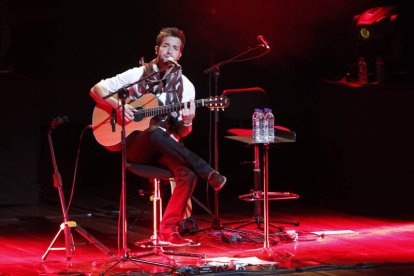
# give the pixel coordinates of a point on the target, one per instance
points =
(129, 113)
(98, 93)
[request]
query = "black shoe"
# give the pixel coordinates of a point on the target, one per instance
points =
(174, 239)
(216, 180)
(187, 225)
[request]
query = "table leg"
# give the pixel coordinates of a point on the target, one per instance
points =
(266, 195)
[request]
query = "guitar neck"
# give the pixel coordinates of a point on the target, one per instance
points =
(166, 109)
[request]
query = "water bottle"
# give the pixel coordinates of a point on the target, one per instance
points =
(269, 125)
(265, 125)
(257, 123)
(362, 71)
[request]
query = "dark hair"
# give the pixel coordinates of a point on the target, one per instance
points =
(171, 31)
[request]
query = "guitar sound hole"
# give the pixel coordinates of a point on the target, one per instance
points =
(138, 116)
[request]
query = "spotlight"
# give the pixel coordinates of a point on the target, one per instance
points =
(377, 33)
(364, 33)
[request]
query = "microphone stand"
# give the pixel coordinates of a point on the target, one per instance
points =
(215, 71)
(124, 253)
(67, 223)
(216, 223)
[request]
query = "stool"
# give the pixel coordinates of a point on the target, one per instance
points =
(155, 175)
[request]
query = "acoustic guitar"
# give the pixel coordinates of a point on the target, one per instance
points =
(107, 130)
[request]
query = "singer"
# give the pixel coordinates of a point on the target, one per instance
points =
(160, 143)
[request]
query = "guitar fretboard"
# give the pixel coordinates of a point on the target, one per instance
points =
(165, 109)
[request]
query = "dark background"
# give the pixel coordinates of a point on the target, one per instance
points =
(354, 145)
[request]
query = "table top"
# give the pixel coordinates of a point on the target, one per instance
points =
(281, 136)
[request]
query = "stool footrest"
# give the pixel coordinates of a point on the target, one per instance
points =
(259, 195)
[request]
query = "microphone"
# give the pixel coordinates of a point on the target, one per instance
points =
(262, 40)
(173, 61)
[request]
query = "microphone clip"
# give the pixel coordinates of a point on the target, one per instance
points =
(174, 62)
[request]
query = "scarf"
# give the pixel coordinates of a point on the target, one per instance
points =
(171, 84)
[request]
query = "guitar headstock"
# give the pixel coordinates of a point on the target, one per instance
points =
(217, 102)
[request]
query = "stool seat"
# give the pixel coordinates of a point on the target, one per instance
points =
(149, 171)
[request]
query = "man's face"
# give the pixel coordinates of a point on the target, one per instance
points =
(169, 47)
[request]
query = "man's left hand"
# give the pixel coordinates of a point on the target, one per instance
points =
(188, 113)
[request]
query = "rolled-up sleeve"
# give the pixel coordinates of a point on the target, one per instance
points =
(123, 79)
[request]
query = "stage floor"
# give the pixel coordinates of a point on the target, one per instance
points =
(325, 243)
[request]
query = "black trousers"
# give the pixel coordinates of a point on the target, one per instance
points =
(154, 146)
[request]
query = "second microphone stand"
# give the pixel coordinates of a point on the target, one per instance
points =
(215, 72)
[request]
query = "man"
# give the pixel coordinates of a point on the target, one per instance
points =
(160, 143)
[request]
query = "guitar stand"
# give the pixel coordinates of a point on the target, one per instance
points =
(67, 224)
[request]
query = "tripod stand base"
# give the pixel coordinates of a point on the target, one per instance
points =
(134, 260)
(259, 221)
(69, 243)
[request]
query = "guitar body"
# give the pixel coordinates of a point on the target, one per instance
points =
(102, 127)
